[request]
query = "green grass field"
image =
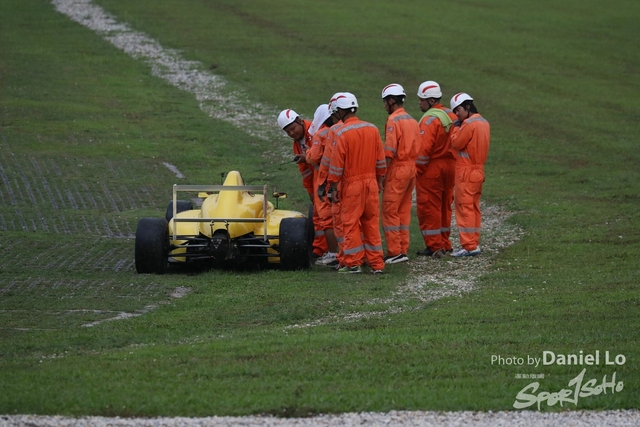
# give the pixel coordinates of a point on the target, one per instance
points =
(85, 129)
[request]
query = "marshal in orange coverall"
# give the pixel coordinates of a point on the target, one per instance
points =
(435, 181)
(306, 170)
(401, 149)
(314, 158)
(471, 140)
(323, 173)
(357, 161)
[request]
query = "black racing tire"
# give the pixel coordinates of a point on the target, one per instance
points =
(181, 206)
(311, 231)
(152, 246)
(294, 244)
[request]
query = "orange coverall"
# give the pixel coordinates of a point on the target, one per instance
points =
(435, 180)
(323, 171)
(306, 170)
(471, 140)
(402, 142)
(314, 158)
(357, 159)
(299, 149)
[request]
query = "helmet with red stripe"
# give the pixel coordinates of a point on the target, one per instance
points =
(429, 89)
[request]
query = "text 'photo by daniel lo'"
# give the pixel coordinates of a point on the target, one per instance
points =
(579, 386)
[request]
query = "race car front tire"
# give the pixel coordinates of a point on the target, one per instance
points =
(152, 240)
(294, 244)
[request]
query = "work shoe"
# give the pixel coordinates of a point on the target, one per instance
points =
(463, 252)
(377, 271)
(329, 259)
(396, 259)
(350, 270)
(428, 252)
(319, 260)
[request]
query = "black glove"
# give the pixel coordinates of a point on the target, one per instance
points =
(322, 190)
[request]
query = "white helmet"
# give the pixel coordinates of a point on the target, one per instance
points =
(429, 89)
(319, 117)
(393, 89)
(286, 117)
(346, 101)
(332, 103)
(459, 98)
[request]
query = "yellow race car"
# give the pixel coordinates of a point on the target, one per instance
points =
(234, 224)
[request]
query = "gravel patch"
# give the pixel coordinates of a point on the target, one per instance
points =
(431, 279)
(390, 419)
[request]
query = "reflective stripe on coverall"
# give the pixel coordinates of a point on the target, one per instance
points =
(435, 181)
(471, 140)
(357, 159)
(306, 170)
(402, 141)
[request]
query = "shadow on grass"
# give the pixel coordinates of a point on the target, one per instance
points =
(201, 267)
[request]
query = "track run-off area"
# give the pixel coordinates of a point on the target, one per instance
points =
(34, 187)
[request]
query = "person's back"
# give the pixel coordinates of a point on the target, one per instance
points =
(402, 141)
(435, 134)
(359, 150)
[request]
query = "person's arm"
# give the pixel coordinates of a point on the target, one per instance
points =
(336, 168)
(425, 144)
(381, 164)
(461, 135)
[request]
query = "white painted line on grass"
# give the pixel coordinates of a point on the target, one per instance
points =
(178, 292)
(174, 169)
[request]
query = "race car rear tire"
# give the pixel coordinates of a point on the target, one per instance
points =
(294, 244)
(181, 206)
(311, 230)
(152, 246)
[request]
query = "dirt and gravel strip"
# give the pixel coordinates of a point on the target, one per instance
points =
(629, 418)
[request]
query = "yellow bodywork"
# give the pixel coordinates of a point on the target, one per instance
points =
(230, 204)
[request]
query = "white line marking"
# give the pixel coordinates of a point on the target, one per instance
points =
(174, 169)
